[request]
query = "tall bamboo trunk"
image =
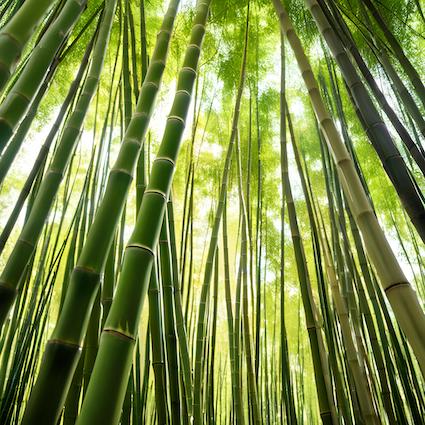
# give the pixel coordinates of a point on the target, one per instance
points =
(320, 365)
(64, 347)
(400, 293)
(106, 390)
(200, 332)
(287, 385)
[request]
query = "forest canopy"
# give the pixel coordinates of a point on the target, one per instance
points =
(212, 212)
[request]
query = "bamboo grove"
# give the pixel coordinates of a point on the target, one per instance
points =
(212, 212)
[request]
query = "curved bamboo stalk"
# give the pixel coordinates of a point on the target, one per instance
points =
(106, 390)
(25, 88)
(400, 293)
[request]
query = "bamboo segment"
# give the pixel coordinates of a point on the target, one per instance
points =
(16, 33)
(106, 390)
(23, 91)
(72, 324)
(400, 293)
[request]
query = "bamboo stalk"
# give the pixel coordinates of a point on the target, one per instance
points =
(200, 332)
(16, 33)
(106, 391)
(25, 88)
(70, 330)
(400, 293)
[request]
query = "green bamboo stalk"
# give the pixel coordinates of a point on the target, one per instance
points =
(240, 415)
(324, 391)
(44, 150)
(16, 34)
(106, 391)
(401, 295)
(23, 249)
(211, 367)
(71, 327)
(200, 333)
(169, 322)
(252, 384)
(10, 278)
(230, 320)
(25, 88)
(6, 160)
(158, 354)
(286, 383)
(180, 324)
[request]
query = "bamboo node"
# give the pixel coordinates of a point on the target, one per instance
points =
(66, 343)
(23, 95)
(150, 83)
(165, 158)
(8, 287)
(121, 171)
(395, 285)
(55, 171)
(176, 117)
(140, 246)
(131, 140)
(25, 242)
(188, 68)
(140, 114)
(183, 91)
(156, 192)
(119, 334)
(12, 38)
(86, 270)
